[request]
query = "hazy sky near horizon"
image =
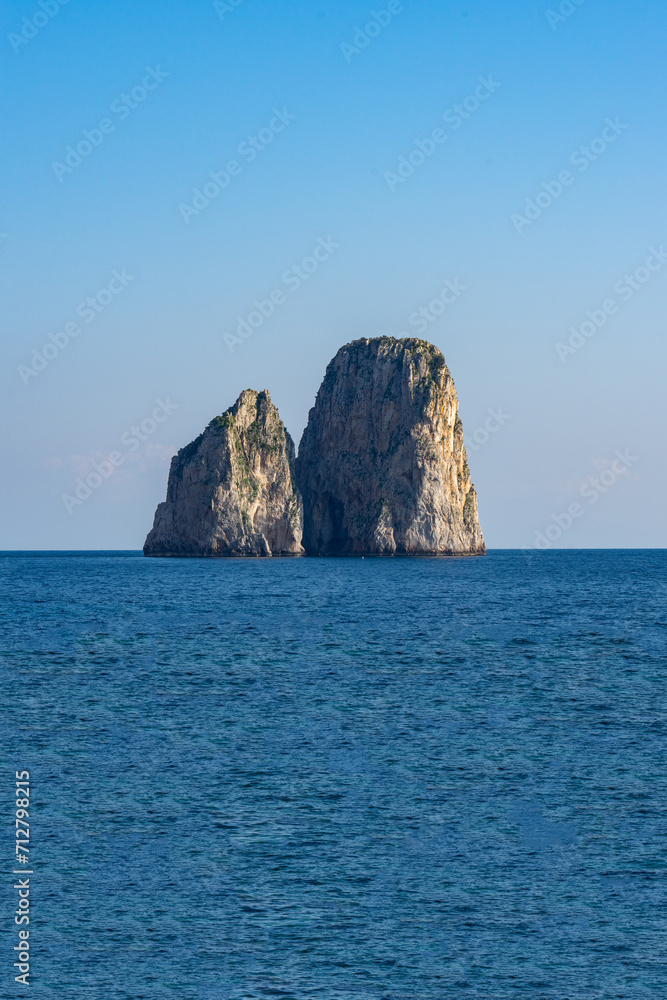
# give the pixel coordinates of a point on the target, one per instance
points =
(540, 199)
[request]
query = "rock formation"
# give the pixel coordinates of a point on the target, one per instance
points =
(231, 491)
(382, 465)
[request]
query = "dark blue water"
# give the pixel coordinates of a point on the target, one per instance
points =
(340, 779)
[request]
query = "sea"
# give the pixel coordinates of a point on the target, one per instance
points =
(337, 779)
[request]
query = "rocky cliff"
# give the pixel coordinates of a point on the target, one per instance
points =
(231, 491)
(382, 465)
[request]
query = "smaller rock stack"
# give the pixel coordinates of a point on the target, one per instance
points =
(231, 491)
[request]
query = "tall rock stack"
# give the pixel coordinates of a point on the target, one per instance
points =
(382, 466)
(231, 492)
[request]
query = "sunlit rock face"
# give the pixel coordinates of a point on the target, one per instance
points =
(382, 466)
(231, 492)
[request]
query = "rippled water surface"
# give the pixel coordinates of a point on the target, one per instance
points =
(340, 778)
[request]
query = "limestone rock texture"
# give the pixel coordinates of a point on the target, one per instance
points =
(382, 466)
(231, 492)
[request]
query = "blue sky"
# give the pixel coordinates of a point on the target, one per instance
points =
(332, 127)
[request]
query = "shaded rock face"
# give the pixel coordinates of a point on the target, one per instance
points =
(382, 465)
(231, 491)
